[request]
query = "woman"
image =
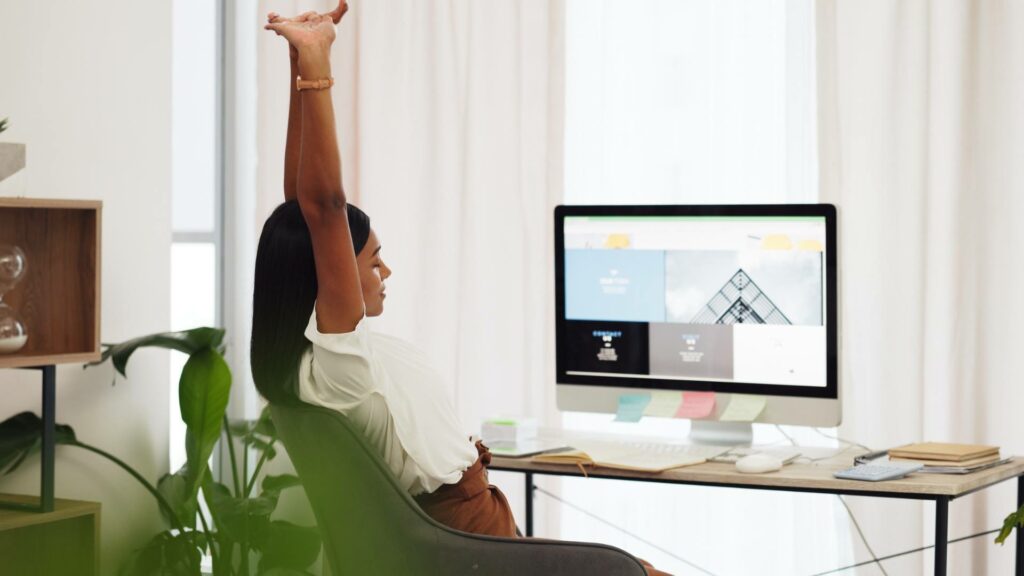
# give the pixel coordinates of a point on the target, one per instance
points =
(319, 272)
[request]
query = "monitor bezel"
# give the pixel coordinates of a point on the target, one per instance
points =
(827, 211)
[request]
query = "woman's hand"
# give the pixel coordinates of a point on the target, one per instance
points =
(336, 15)
(314, 32)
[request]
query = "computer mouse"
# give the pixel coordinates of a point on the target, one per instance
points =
(758, 464)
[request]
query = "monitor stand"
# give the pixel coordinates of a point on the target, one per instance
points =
(721, 433)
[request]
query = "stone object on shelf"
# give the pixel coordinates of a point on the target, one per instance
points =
(12, 159)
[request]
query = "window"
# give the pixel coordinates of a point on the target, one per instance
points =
(196, 190)
(691, 102)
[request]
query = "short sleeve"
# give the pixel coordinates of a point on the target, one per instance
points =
(341, 367)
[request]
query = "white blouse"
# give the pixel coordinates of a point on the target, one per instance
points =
(387, 389)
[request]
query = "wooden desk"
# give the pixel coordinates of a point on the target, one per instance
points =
(63, 541)
(813, 477)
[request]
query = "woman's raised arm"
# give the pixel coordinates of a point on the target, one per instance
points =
(319, 190)
(294, 140)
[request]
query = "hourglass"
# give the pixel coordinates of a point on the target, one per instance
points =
(13, 334)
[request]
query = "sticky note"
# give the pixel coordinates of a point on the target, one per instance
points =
(617, 241)
(664, 404)
(631, 407)
(776, 242)
(744, 408)
(811, 246)
(696, 405)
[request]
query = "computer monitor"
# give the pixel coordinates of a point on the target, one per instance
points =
(729, 299)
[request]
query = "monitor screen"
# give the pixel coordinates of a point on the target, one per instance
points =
(723, 298)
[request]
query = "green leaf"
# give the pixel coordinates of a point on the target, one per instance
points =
(203, 392)
(21, 436)
(243, 520)
(1014, 520)
(246, 520)
(261, 445)
(260, 435)
(265, 425)
(3, 124)
(278, 483)
(175, 489)
(165, 555)
(241, 428)
(289, 547)
(217, 496)
(189, 342)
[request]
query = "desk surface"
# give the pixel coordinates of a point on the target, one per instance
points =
(803, 477)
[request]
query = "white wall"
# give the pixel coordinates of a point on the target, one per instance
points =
(87, 86)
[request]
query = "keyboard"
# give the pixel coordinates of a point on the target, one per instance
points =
(648, 456)
(878, 472)
(697, 450)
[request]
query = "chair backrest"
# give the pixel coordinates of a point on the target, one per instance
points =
(369, 525)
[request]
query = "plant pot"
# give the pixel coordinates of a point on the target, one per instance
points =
(12, 159)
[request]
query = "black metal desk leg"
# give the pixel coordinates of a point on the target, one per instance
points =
(529, 504)
(49, 419)
(941, 534)
(1020, 537)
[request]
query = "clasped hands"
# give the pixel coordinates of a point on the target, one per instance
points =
(307, 30)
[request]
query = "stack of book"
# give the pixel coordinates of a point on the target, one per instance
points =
(949, 458)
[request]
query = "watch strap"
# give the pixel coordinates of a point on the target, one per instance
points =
(318, 84)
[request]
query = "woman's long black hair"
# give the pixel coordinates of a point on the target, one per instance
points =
(284, 293)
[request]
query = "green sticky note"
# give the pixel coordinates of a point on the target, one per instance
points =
(663, 403)
(743, 408)
(631, 407)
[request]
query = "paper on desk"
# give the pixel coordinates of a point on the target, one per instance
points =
(663, 403)
(696, 405)
(631, 407)
(744, 408)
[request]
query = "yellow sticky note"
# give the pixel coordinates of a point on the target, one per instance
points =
(744, 408)
(617, 241)
(663, 403)
(811, 246)
(776, 242)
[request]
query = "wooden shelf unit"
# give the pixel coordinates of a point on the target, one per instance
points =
(59, 299)
(64, 541)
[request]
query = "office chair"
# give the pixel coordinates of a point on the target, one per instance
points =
(370, 526)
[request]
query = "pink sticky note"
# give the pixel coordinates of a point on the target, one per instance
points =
(696, 405)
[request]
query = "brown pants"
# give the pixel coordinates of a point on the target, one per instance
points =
(474, 506)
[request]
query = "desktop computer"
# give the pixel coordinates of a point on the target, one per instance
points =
(727, 299)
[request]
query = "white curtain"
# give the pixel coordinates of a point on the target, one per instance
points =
(688, 102)
(921, 137)
(449, 119)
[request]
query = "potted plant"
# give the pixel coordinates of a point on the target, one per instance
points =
(234, 524)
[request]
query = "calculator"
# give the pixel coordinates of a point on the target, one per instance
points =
(878, 472)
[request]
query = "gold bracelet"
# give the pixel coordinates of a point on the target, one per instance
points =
(319, 84)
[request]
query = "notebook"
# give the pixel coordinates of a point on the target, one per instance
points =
(957, 453)
(953, 463)
(624, 460)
